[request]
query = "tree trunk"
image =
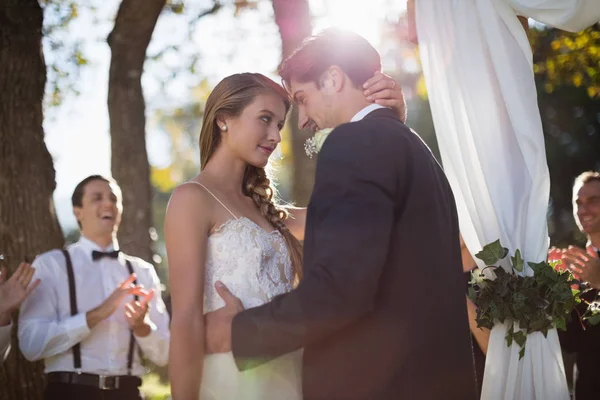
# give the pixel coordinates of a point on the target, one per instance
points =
(128, 42)
(28, 223)
(293, 20)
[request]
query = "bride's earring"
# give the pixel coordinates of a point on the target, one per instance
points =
(224, 128)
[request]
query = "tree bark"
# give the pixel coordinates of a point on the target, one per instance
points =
(128, 42)
(293, 20)
(28, 223)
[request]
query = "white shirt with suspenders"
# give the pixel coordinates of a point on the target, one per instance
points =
(53, 327)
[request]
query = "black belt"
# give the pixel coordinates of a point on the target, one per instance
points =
(104, 382)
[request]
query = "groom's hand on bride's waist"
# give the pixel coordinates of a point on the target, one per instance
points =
(217, 329)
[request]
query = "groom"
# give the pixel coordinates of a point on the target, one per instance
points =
(380, 311)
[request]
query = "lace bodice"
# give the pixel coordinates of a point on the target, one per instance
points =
(253, 263)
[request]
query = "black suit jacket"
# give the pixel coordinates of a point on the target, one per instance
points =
(381, 311)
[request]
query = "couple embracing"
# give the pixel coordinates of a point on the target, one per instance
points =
(373, 306)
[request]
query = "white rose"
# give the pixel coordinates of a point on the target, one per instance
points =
(313, 145)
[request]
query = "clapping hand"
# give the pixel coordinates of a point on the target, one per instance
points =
(108, 306)
(14, 290)
(124, 288)
(586, 265)
(136, 311)
(218, 323)
(556, 258)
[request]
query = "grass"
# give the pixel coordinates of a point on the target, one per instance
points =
(153, 389)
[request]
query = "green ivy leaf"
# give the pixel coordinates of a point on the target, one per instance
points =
(520, 338)
(539, 324)
(593, 320)
(509, 336)
(472, 294)
(492, 253)
(517, 261)
(540, 303)
(485, 323)
(536, 267)
(560, 323)
(553, 264)
(537, 303)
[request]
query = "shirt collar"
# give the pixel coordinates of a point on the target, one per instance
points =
(365, 111)
(88, 246)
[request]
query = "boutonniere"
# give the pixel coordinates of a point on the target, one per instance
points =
(313, 144)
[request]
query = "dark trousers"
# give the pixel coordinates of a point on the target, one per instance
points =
(67, 391)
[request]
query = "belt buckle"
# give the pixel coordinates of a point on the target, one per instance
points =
(108, 382)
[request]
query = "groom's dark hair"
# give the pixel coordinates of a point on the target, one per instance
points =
(348, 50)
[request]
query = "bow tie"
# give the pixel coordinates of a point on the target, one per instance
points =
(96, 255)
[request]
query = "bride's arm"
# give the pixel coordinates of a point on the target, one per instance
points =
(296, 221)
(187, 224)
(481, 335)
(384, 90)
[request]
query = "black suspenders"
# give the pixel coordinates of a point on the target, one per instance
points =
(131, 338)
(73, 298)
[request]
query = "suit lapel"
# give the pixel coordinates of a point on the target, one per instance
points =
(313, 205)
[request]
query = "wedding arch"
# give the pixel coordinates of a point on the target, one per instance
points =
(477, 64)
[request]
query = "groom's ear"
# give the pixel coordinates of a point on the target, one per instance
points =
(336, 78)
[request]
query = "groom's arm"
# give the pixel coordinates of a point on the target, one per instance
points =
(355, 210)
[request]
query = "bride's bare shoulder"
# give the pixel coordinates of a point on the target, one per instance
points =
(189, 200)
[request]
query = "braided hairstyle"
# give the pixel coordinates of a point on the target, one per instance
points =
(229, 98)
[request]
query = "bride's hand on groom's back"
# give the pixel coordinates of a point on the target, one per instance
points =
(217, 336)
(385, 91)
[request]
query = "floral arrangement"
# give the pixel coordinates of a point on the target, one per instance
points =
(530, 303)
(313, 144)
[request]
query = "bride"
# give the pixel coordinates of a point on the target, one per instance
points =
(223, 225)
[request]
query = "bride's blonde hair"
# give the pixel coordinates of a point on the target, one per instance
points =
(228, 99)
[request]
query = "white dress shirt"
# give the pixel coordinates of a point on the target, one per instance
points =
(4, 341)
(48, 331)
(363, 113)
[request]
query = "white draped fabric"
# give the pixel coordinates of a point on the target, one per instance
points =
(477, 64)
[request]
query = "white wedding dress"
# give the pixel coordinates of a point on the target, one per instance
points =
(255, 265)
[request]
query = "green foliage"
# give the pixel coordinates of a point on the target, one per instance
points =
(63, 53)
(536, 303)
(592, 313)
(566, 58)
(491, 253)
(72, 236)
(153, 389)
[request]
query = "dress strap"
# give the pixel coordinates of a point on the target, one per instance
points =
(216, 198)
